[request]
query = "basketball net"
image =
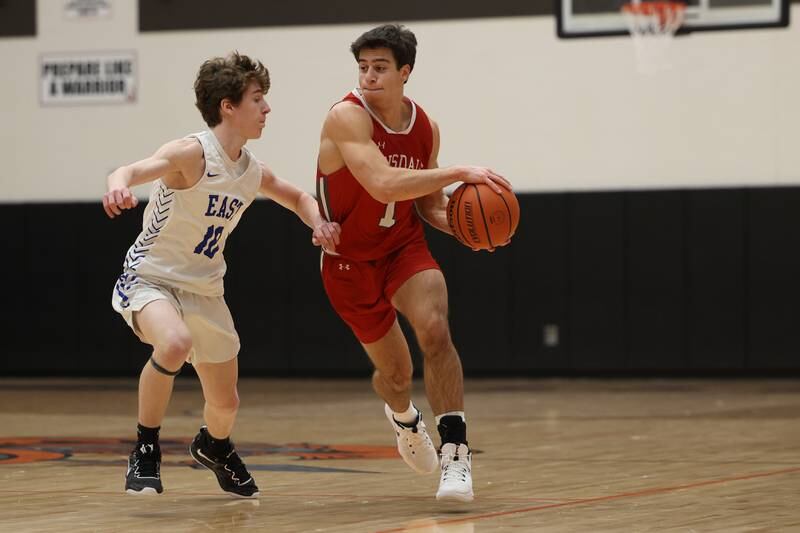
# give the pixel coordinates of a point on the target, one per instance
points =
(652, 25)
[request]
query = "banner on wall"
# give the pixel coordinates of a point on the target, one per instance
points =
(88, 78)
(87, 9)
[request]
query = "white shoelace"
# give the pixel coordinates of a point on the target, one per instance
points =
(418, 437)
(455, 470)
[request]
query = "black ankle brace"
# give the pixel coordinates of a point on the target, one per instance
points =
(452, 429)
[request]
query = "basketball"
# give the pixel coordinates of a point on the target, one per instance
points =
(480, 218)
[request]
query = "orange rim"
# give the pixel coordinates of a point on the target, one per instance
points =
(649, 8)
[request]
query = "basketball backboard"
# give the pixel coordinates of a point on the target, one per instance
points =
(593, 18)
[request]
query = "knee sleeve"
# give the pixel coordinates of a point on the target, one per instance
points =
(163, 370)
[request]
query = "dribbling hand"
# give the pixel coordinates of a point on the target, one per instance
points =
(117, 200)
(484, 175)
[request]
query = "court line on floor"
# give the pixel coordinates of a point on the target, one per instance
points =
(274, 493)
(634, 494)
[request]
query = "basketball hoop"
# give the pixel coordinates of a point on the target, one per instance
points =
(652, 26)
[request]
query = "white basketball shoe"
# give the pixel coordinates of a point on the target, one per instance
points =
(414, 444)
(456, 481)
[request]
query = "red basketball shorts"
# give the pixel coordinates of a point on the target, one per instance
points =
(361, 291)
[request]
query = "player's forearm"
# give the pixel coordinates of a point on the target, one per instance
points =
(438, 219)
(131, 175)
(397, 184)
(120, 178)
(433, 210)
(308, 211)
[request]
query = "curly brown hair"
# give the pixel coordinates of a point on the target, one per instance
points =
(226, 77)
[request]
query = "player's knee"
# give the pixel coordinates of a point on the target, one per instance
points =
(400, 381)
(433, 334)
(173, 351)
(397, 381)
(228, 403)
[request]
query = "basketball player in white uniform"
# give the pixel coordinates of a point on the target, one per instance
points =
(171, 288)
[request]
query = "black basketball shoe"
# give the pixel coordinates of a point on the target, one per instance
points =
(144, 470)
(231, 473)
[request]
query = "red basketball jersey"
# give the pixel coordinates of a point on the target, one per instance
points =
(371, 229)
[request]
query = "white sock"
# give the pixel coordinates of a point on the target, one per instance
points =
(409, 416)
(450, 413)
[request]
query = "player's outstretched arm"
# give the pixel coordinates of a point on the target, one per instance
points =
(349, 127)
(325, 234)
(173, 157)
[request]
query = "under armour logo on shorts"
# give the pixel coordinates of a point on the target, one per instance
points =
(344, 266)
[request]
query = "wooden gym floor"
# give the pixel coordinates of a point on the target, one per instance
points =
(550, 455)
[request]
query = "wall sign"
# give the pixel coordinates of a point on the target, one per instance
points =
(87, 9)
(88, 78)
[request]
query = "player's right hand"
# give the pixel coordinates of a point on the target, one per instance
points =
(484, 175)
(491, 250)
(118, 199)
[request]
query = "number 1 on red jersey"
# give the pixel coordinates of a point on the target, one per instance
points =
(388, 216)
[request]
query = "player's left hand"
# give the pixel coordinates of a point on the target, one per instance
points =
(495, 181)
(327, 235)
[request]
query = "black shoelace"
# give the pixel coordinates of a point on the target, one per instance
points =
(234, 463)
(147, 464)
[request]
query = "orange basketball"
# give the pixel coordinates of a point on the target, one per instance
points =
(480, 218)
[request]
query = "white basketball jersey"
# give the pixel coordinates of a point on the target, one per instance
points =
(184, 230)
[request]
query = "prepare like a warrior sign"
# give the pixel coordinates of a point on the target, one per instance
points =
(88, 78)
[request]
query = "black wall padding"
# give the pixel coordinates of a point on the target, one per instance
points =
(645, 282)
(18, 18)
(773, 272)
(716, 233)
(596, 271)
(655, 280)
(540, 281)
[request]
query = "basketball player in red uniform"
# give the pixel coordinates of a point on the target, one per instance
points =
(377, 168)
